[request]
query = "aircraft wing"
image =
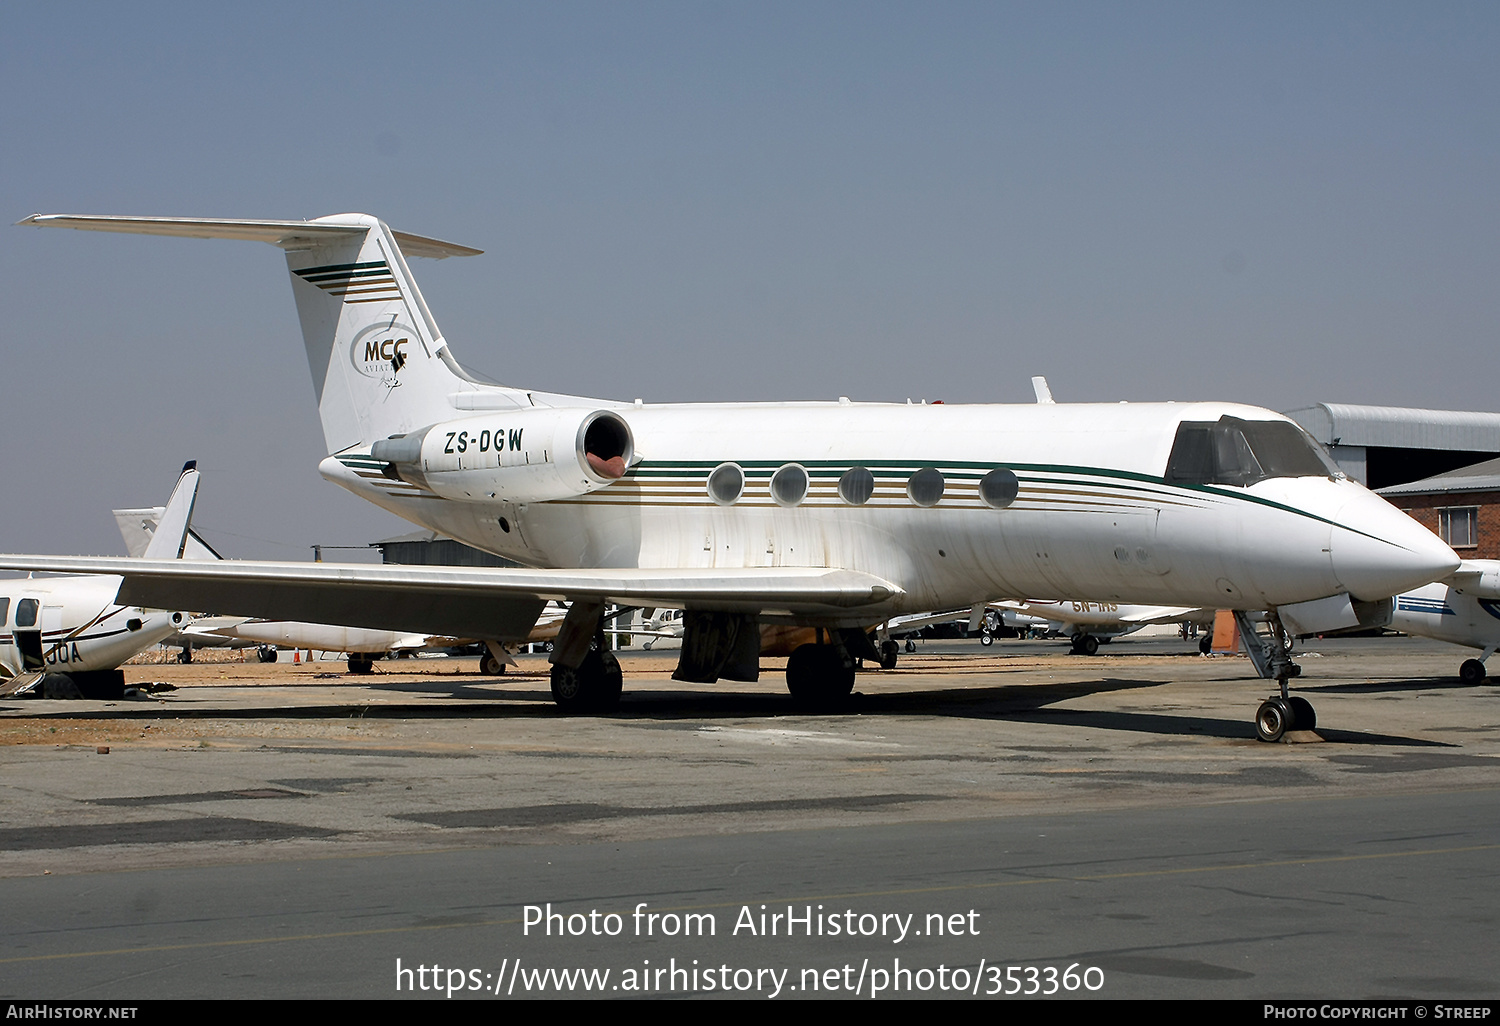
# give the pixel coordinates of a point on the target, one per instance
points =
(486, 602)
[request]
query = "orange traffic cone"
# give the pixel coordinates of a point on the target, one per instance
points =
(296, 656)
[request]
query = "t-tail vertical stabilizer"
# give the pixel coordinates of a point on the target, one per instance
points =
(171, 534)
(373, 347)
(379, 364)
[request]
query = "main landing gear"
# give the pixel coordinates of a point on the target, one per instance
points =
(820, 676)
(594, 685)
(361, 662)
(1271, 653)
(1085, 644)
(586, 676)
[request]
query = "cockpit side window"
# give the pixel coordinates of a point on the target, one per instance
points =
(1231, 451)
(26, 612)
(4, 609)
(1285, 450)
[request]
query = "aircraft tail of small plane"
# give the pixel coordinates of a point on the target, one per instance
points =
(173, 529)
(379, 363)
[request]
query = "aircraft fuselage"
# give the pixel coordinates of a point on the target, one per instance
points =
(1090, 512)
(72, 624)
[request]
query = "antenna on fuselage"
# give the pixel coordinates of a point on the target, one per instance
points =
(1043, 393)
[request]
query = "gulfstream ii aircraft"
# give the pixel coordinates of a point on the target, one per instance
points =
(835, 515)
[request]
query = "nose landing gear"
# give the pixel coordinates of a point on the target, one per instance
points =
(1277, 715)
(1473, 671)
(1271, 653)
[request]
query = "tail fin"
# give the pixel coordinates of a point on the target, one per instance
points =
(376, 354)
(379, 364)
(137, 526)
(171, 535)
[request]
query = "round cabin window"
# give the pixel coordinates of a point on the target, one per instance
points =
(999, 488)
(789, 485)
(925, 487)
(726, 483)
(856, 486)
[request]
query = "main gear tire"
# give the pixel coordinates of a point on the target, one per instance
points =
(593, 686)
(817, 677)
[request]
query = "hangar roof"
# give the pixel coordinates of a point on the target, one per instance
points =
(1481, 477)
(1394, 427)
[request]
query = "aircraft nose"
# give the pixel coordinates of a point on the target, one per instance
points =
(1378, 551)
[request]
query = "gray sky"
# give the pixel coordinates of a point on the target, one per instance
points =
(1274, 204)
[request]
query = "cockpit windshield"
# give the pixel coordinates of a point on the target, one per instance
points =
(1232, 451)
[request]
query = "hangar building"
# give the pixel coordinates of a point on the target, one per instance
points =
(1381, 446)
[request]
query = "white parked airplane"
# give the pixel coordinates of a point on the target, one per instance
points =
(1463, 609)
(1086, 621)
(834, 515)
(66, 636)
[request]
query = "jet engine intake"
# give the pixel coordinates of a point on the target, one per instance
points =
(522, 456)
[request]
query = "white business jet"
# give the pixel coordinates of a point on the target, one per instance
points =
(64, 637)
(833, 515)
(1463, 609)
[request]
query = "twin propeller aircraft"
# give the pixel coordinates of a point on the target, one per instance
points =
(65, 636)
(831, 515)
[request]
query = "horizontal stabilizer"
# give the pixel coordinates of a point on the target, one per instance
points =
(286, 234)
(138, 525)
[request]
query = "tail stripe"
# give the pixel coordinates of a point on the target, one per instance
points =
(330, 268)
(372, 280)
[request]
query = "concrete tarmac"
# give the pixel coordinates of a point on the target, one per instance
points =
(1010, 818)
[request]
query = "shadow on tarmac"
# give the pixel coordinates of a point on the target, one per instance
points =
(1033, 703)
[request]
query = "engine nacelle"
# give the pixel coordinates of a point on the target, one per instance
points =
(523, 456)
